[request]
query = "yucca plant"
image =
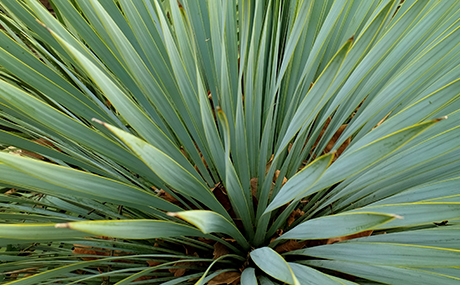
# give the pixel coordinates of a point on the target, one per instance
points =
(230, 142)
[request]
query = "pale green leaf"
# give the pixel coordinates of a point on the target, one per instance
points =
(36, 232)
(357, 159)
(248, 277)
(415, 214)
(387, 274)
(337, 225)
(274, 265)
(385, 254)
(210, 222)
(173, 173)
(440, 236)
(132, 229)
(78, 182)
(297, 185)
(308, 275)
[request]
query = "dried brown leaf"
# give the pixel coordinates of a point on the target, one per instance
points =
(334, 138)
(11, 191)
(222, 197)
(269, 163)
(168, 197)
(353, 236)
(278, 233)
(290, 245)
(206, 240)
(229, 277)
(381, 121)
(153, 263)
(254, 187)
(178, 272)
(276, 175)
(220, 250)
(294, 215)
(46, 4)
(98, 252)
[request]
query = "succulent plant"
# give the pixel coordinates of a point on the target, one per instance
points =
(230, 142)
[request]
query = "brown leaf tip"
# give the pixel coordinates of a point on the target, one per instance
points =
(172, 214)
(442, 118)
(98, 121)
(41, 23)
(62, 225)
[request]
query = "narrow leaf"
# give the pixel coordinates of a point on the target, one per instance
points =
(308, 275)
(337, 225)
(385, 254)
(36, 232)
(79, 183)
(173, 173)
(355, 160)
(132, 229)
(211, 222)
(296, 186)
(387, 274)
(416, 214)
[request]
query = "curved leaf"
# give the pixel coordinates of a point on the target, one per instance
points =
(416, 213)
(308, 275)
(385, 254)
(357, 159)
(210, 222)
(36, 232)
(388, 274)
(132, 229)
(337, 225)
(441, 236)
(274, 265)
(173, 173)
(299, 184)
(78, 182)
(248, 277)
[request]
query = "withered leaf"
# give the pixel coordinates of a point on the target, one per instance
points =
(254, 187)
(276, 175)
(353, 236)
(290, 245)
(228, 277)
(178, 272)
(220, 250)
(294, 215)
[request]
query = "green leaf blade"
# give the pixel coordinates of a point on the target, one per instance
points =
(337, 225)
(274, 265)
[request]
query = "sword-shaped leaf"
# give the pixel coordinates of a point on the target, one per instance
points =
(301, 182)
(132, 229)
(337, 225)
(211, 222)
(173, 173)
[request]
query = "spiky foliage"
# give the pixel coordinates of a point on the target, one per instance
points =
(261, 142)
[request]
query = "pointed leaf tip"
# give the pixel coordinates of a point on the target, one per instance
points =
(98, 121)
(41, 23)
(62, 225)
(440, 119)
